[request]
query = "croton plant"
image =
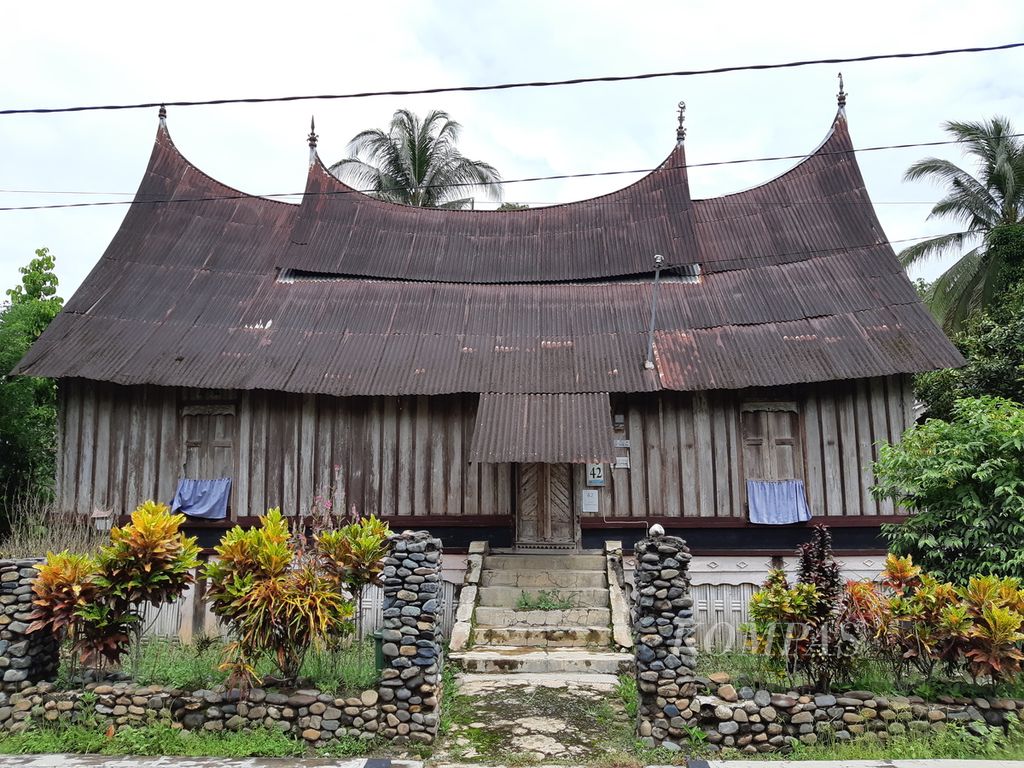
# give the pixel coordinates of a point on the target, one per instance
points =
(97, 601)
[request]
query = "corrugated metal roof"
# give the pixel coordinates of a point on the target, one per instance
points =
(552, 428)
(798, 285)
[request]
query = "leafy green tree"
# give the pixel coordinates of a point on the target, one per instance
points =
(28, 405)
(513, 207)
(417, 162)
(981, 204)
(963, 482)
(992, 342)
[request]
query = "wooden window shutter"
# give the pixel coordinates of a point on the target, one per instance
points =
(208, 441)
(770, 435)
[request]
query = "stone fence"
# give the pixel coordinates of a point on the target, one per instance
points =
(675, 704)
(24, 659)
(761, 721)
(402, 709)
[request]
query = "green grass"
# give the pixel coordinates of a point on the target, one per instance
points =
(341, 670)
(545, 600)
(954, 743)
(151, 740)
(626, 691)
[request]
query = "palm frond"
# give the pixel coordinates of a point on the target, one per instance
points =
(955, 293)
(933, 248)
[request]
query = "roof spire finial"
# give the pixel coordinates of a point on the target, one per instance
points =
(841, 96)
(681, 129)
(162, 114)
(312, 133)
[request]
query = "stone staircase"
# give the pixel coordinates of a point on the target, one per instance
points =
(566, 629)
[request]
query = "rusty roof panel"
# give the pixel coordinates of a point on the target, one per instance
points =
(798, 285)
(555, 428)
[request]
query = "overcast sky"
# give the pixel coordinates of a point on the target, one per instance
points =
(71, 53)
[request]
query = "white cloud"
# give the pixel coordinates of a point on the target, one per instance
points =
(75, 53)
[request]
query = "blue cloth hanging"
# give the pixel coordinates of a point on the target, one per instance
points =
(777, 502)
(206, 499)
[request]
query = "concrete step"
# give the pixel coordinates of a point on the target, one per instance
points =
(495, 659)
(538, 579)
(557, 562)
(574, 617)
(543, 637)
(472, 682)
(509, 597)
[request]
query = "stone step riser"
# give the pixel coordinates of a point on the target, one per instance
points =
(509, 597)
(545, 562)
(505, 617)
(543, 637)
(605, 664)
(535, 579)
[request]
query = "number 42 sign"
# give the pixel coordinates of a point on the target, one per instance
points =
(595, 474)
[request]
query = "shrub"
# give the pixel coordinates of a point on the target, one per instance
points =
(963, 480)
(805, 628)
(354, 554)
(97, 601)
(277, 598)
(916, 622)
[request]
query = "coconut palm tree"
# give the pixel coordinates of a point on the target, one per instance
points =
(982, 204)
(417, 162)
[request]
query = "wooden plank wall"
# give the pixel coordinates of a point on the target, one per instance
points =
(409, 455)
(388, 456)
(686, 460)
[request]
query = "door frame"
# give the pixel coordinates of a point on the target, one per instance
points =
(564, 545)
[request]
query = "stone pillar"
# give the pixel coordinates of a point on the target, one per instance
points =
(410, 681)
(24, 658)
(665, 647)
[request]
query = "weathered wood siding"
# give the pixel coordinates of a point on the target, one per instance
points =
(686, 451)
(387, 456)
(404, 456)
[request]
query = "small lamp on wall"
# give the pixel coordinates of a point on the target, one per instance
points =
(103, 519)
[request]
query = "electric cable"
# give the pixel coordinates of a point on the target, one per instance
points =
(515, 85)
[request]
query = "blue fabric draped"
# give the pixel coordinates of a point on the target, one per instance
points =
(207, 499)
(777, 502)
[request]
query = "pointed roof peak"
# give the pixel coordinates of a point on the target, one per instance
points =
(162, 114)
(681, 114)
(312, 133)
(841, 96)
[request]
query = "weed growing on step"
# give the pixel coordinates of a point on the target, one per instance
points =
(545, 600)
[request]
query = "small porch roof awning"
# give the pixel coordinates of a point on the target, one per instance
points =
(552, 429)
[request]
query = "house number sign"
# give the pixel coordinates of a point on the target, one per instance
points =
(595, 474)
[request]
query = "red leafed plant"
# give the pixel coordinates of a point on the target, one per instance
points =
(97, 601)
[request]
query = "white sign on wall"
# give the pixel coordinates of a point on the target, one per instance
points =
(595, 474)
(589, 500)
(622, 462)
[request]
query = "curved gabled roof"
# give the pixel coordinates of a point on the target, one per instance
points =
(798, 285)
(342, 232)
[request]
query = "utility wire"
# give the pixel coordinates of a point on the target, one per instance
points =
(514, 85)
(525, 179)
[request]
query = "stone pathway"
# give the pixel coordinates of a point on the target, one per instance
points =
(526, 717)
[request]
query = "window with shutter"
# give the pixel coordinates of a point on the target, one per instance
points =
(772, 448)
(208, 441)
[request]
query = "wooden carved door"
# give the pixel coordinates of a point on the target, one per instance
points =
(546, 514)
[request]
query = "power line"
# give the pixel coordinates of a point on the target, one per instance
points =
(514, 85)
(525, 179)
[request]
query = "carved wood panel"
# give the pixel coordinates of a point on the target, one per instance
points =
(546, 514)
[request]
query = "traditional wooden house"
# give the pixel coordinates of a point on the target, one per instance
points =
(503, 375)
